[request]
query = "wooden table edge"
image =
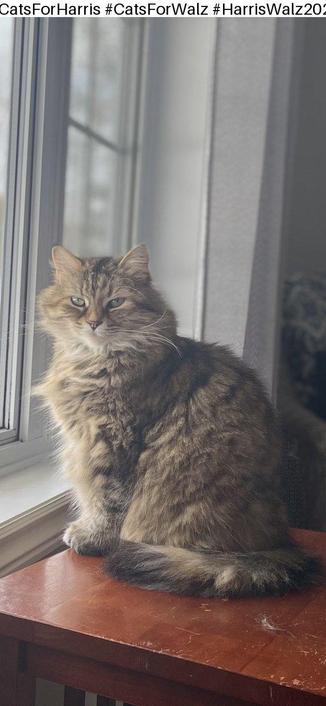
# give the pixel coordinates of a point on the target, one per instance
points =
(217, 680)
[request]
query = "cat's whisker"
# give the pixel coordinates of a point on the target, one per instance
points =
(166, 340)
(157, 320)
(149, 335)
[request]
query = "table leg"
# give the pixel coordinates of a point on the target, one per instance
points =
(74, 697)
(17, 686)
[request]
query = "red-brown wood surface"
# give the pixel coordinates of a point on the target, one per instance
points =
(66, 603)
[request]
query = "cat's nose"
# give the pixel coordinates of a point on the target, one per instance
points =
(93, 324)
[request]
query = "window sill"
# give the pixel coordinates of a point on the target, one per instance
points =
(33, 511)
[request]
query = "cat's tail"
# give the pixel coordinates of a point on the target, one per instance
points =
(203, 573)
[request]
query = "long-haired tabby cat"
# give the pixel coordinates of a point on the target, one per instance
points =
(171, 445)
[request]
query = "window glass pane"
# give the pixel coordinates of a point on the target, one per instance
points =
(6, 49)
(89, 212)
(96, 74)
(6, 54)
(101, 135)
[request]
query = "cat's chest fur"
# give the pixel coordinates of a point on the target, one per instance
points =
(89, 404)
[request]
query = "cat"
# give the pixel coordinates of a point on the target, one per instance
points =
(171, 445)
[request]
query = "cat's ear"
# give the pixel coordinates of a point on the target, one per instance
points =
(64, 261)
(135, 262)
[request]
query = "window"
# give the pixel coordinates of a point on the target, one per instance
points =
(68, 116)
(16, 83)
(6, 58)
(101, 135)
(6, 52)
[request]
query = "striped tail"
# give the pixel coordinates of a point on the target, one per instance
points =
(204, 573)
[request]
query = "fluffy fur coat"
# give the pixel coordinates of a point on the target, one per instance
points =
(171, 445)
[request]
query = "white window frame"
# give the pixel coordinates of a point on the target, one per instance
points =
(40, 100)
(41, 108)
(15, 240)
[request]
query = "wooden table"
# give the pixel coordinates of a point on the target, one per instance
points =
(64, 620)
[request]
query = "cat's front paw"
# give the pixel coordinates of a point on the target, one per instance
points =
(81, 540)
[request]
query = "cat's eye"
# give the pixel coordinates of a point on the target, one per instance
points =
(114, 303)
(78, 301)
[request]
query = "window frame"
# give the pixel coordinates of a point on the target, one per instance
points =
(44, 114)
(38, 213)
(14, 245)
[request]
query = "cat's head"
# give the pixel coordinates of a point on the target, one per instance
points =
(105, 303)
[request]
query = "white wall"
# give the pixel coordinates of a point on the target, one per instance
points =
(173, 165)
(251, 108)
(244, 69)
